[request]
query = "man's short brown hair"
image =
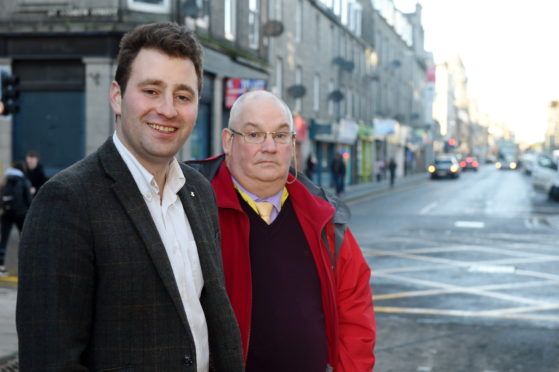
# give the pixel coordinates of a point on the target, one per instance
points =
(169, 38)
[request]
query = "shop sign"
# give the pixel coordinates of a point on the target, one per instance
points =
(319, 129)
(234, 88)
(83, 12)
(384, 127)
(365, 133)
(301, 128)
(347, 132)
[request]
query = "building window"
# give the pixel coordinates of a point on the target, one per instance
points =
(279, 77)
(275, 10)
(299, 81)
(342, 104)
(316, 92)
(349, 103)
(299, 21)
(196, 14)
(230, 19)
(357, 14)
(330, 100)
(344, 13)
(254, 23)
(337, 7)
(333, 52)
(149, 6)
(318, 35)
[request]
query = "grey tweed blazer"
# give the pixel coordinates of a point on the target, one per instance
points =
(96, 291)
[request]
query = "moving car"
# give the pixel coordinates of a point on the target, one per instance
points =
(444, 166)
(469, 163)
(506, 162)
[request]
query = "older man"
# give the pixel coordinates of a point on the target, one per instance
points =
(296, 277)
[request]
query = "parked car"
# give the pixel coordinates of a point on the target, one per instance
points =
(444, 166)
(545, 176)
(528, 161)
(469, 163)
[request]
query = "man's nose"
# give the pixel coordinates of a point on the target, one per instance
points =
(167, 106)
(269, 144)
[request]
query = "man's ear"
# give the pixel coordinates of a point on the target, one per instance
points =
(115, 97)
(226, 140)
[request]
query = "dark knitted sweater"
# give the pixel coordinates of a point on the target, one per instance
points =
(288, 331)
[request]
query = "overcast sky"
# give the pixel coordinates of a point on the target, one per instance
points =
(510, 49)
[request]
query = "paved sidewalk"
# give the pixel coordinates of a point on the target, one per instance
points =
(8, 336)
(8, 284)
(364, 190)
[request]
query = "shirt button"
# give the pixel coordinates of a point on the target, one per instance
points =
(188, 361)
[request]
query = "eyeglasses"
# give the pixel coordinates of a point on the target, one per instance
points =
(259, 137)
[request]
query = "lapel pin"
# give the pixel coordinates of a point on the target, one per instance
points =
(192, 193)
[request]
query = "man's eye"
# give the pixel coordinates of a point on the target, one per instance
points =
(150, 92)
(282, 135)
(183, 98)
(254, 134)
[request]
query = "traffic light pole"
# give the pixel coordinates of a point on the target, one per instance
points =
(9, 93)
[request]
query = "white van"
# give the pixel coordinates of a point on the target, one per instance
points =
(545, 176)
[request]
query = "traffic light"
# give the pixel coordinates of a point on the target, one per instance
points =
(10, 94)
(449, 145)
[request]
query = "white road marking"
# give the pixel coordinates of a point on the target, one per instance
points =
(428, 208)
(470, 224)
(492, 269)
(423, 369)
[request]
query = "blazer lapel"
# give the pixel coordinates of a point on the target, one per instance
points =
(196, 212)
(127, 192)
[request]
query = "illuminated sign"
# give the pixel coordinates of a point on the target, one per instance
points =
(234, 88)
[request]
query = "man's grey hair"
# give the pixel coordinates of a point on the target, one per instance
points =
(257, 94)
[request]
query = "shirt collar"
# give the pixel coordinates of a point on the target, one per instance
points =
(144, 179)
(277, 200)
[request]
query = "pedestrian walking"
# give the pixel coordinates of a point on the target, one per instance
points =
(120, 266)
(379, 170)
(34, 171)
(392, 170)
(311, 165)
(15, 202)
(338, 170)
(296, 277)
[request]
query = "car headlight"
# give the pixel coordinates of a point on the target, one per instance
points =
(431, 169)
(512, 165)
(453, 168)
(498, 165)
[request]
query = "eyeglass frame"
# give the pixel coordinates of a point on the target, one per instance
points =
(233, 131)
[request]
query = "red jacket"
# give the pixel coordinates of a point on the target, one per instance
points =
(346, 293)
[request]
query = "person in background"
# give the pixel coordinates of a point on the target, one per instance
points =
(392, 170)
(338, 171)
(34, 171)
(295, 274)
(120, 266)
(379, 170)
(15, 202)
(311, 165)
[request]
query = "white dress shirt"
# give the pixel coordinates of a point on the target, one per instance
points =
(175, 232)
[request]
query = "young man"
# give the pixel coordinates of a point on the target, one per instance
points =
(34, 171)
(120, 266)
(295, 275)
